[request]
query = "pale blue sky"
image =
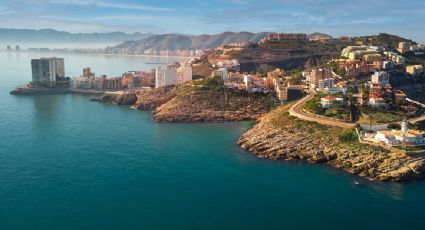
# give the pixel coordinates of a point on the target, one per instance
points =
(335, 17)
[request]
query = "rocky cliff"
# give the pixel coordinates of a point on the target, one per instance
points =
(152, 99)
(278, 136)
(187, 104)
(211, 106)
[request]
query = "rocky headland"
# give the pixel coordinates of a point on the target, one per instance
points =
(279, 136)
(192, 104)
(211, 106)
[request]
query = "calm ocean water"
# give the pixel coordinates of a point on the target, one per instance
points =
(67, 163)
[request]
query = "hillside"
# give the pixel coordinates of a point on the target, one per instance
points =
(319, 36)
(54, 36)
(178, 41)
(382, 39)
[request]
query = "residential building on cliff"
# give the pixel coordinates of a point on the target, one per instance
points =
(314, 76)
(382, 78)
(184, 73)
(165, 76)
(221, 72)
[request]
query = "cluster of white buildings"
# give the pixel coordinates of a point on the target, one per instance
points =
(273, 82)
(173, 75)
(401, 137)
(329, 101)
(368, 53)
(395, 57)
(174, 53)
(168, 52)
(323, 80)
(228, 64)
(404, 47)
(129, 80)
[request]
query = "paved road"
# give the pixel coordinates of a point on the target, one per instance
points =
(296, 110)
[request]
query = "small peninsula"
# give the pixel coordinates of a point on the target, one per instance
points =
(280, 136)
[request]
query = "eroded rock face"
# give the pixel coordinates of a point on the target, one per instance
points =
(299, 142)
(155, 98)
(209, 106)
(123, 99)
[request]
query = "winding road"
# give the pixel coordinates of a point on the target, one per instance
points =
(297, 111)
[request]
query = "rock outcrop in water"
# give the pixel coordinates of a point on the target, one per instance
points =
(278, 136)
(122, 99)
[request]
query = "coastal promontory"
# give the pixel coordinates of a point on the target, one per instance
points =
(279, 136)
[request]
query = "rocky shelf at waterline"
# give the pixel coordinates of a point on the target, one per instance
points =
(194, 105)
(52, 90)
(279, 136)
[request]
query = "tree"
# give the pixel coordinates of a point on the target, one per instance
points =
(348, 135)
(394, 126)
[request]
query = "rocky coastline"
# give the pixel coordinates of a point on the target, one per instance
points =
(188, 105)
(275, 136)
(279, 136)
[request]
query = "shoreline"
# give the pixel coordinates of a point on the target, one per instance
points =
(276, 135)
(280, 136)
(52, 91)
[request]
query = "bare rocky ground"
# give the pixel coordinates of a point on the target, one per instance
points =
(210, 106)
(278, 136)
(184, 104)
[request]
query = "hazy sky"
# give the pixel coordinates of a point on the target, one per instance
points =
(335, 17)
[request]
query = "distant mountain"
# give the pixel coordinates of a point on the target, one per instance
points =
(180, 42)
(54, 36)
(319, 36)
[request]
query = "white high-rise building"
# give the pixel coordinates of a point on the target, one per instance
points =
(165, 76)
(184, 73)
(47, 70)
(222, 73)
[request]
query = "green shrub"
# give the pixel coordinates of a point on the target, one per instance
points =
(348, 136)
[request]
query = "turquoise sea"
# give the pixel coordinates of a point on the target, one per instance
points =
(68, 163)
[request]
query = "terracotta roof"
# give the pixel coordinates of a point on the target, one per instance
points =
(329, 98)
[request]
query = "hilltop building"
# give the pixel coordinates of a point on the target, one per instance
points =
(403, 47)
(285, 38)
